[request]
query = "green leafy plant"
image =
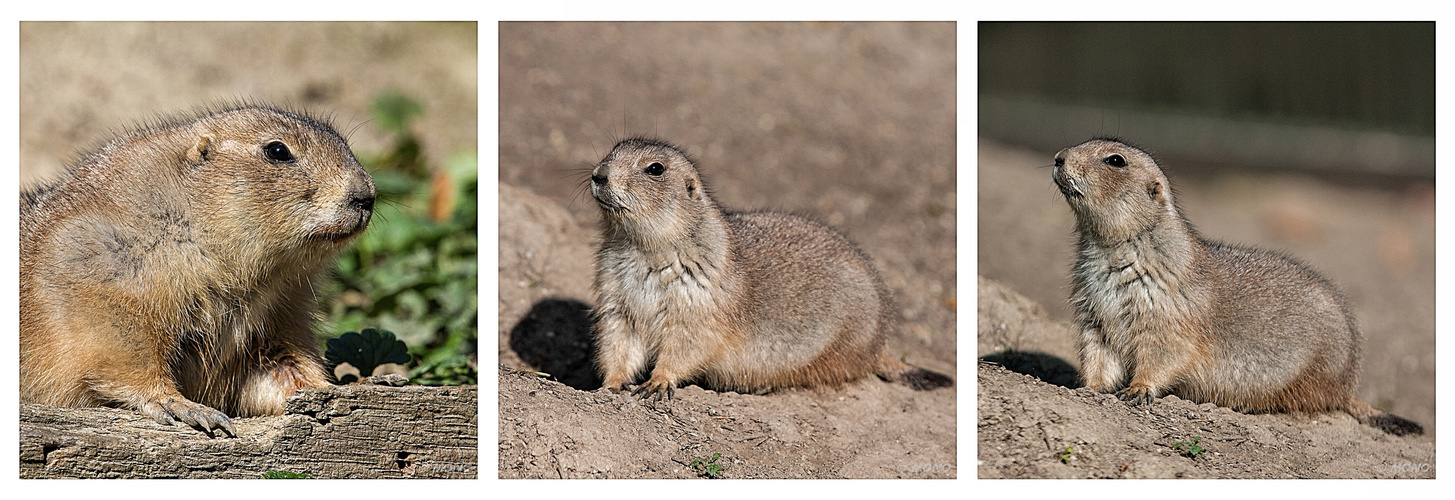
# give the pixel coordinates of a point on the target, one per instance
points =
(414, 272)
(1066, 455)
(1190, 450)
(708, 467)
(283, 474)
(365, 351)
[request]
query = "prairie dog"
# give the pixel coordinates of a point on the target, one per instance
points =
(170, 270)
(1163, 310)
(746, 302)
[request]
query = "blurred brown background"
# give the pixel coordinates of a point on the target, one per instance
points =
(81, 81)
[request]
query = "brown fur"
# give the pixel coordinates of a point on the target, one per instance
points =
(1165, 311)
(746, 302)
(170, 271)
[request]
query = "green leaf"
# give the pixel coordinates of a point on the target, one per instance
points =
(365, 351)
(283, 474)
(409, 274)
(452, 370)
(464, 167)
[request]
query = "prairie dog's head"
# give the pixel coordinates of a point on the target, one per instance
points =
(650, 190)
(279, 180)
(1116, 190)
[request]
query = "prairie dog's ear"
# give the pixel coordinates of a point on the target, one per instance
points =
(199, 151)
(692, 192)
(1156, 192)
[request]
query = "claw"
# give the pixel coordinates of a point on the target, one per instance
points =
(655, 390)
(641, 391)
(216, 420)
(164, 419)
(226, 424)
(198, 416)
(1136, 395)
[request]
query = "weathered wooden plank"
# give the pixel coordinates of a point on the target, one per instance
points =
(357, 431)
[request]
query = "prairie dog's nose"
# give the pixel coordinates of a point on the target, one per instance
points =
(362, 202)
(361, 191)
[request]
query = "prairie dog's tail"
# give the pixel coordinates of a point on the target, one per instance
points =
(1386, 422)
(919, 379)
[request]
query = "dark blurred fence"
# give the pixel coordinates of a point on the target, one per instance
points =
(1352, 97)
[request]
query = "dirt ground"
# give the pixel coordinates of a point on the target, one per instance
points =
(1375, 240)
(853, 124)
(1033, 420)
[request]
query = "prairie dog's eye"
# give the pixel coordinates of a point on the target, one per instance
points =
(655, 169)
(278, 152)
(1115, 161)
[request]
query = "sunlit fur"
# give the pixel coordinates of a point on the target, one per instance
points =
(175, 264)
(1165, 311)
(746, 302)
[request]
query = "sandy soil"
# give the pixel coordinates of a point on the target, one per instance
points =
(1034, 422)
(867, 430)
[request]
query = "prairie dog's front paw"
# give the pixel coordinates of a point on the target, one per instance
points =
(656, 387)
(1137, 395)
(169, 410)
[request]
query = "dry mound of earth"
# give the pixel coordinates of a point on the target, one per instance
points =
(1037, 424)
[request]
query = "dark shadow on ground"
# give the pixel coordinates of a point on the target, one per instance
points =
(1048, 368)
(555, 338)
